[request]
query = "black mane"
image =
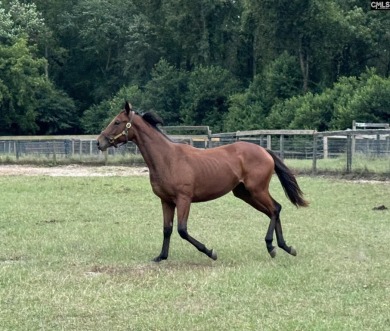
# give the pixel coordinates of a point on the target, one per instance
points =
(153, 119)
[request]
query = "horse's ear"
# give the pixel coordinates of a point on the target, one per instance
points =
(128, 107)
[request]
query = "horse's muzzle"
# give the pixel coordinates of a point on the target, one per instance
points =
(102, 143)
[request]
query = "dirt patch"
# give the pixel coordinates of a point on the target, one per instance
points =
(72, 171)
(101, 171)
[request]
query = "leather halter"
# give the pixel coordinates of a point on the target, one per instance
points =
(125, 132)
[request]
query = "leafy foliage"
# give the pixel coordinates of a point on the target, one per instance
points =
(29, 101)
(227, 64)
(165, 92)
(206, 100)
(20, 79)
(98, 116)
(245, 113)
(56, 112)
(279, 81)
(364, 98)
(368, 102)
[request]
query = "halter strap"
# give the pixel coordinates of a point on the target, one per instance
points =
(125, 132)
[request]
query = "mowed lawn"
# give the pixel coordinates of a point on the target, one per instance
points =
(75, 254)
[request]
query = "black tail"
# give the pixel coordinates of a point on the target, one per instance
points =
(289, 182)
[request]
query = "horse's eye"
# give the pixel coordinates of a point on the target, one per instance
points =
(117, 122)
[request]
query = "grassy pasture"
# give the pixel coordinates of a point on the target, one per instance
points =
(75, 252)
(361, 166)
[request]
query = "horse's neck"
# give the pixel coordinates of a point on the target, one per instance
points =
(154, 147)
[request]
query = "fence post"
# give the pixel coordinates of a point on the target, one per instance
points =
(17, 152)
(67, 148)
(54, 153)
(314, 166)
(81, 148)
(349, 152)
(105, 157)
(282, 146)
(325, 142)
(269, 144)
(353, 142)
(378, 145)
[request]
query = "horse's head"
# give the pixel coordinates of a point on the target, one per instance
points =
(119, 131)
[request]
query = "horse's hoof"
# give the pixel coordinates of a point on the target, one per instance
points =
(213, 254)
(293, 252)
(273, 253)
(158, 259)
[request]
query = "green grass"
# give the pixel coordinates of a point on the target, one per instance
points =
(75, 252)
(361, 165)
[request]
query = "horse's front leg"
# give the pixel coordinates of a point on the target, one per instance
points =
(168, 214)
(183, 210)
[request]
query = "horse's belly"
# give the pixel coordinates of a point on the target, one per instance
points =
(214, 187)
(209, 196)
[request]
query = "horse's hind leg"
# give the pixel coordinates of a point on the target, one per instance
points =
(242, 193)
(183, 210)
(270, 236)
(279, 233)
(263, 202)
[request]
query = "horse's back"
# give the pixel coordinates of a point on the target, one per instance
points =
(253, 153)
(213, 172)
(240, 154)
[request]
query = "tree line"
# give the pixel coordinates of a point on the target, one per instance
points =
(67, 67)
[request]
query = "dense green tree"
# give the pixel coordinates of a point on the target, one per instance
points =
(143, 48)
(207, 99)
(202, 32)
(94, 33)
(164, 93)
(56, 112)
(21, 78)
(21, 20)
(364, 99)
(99, 116)
(6, 26)
(191, 61)
(245, 113)
(279, 80)
(52, 45)
(30, 103)
(369, 101)
(257, 35)
(329, 39)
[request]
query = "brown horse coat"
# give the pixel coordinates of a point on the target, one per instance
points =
(181, 174)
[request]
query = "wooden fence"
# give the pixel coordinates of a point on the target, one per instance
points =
(289, 144)
(374, 143)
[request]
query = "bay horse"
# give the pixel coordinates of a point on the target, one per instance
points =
(181, 174)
